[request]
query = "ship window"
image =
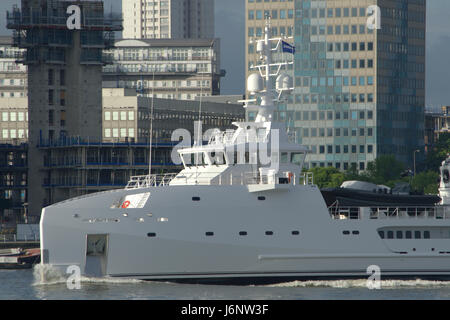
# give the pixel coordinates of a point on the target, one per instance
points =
(151, 234)
(390, 234)
(209, 234)
(284, 157)
(296, 158)
(381, 234)
(269, 233)
(417, 235)
(295, 233)
(243, 233)
(346, 232)
(408, 235)
(399, 235)
(426, 234)
(195, 198)
(262, 198)
(355, 232)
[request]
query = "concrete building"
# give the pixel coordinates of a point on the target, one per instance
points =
(75, 166)
(79, 166)
(164, 19)
(436, 123)
(64, 75)
(13, 76)
(127, 117)
(169, 69)
(359, 93)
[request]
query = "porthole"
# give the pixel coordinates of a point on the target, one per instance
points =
(243, 233)
(346, 232)
(269, 233)
(209, 234)
(151, 234)
(295, 233)
(261, 198)
(355, 232)
(195, 198)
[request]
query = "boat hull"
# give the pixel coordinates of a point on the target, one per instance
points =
(231, 234)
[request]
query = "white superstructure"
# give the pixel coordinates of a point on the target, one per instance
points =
(241, 209)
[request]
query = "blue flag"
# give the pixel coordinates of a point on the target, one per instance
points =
(288, 47)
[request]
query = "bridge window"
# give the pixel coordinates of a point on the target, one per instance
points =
(297, 158)
(417, 235)
(426, 234)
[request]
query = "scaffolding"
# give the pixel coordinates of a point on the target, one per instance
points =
(80, 168)
(41, 27)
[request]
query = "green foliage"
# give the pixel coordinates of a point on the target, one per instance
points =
(385, 170)
(426, 182)
(439, 152)
(327, 177)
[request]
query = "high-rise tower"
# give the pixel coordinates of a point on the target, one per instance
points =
(64, 75)
(360, 92)
(163, 19)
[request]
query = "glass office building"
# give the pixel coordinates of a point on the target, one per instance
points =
(359, 92)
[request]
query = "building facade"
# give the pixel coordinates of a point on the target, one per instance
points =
(436, 124)
(79, 166)
(127, 116)
(167, 69)
(359, 92)
(168, 19)
(64, 75)
(13, 76)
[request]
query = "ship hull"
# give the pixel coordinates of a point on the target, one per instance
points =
(234, 234)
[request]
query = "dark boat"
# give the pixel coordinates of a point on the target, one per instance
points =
(370, 195)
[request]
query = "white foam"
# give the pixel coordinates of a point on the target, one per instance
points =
(362, 283)
(45, 274)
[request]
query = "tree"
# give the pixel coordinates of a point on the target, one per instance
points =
(327, 177)
(438, 153)
(426, 182)
(386, 168)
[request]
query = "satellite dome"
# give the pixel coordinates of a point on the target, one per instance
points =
(255, 83)
(284, 82)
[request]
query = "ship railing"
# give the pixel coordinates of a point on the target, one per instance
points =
(154, 180)
(377, 213)
(220, 178)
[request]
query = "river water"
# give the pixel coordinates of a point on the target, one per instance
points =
(27, 285)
